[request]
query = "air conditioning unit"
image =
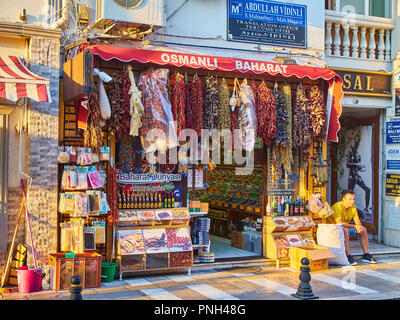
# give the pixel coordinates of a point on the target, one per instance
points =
(134, 12)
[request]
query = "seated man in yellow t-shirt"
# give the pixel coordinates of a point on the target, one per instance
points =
(343, 213)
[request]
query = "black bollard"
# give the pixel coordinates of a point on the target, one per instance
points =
(304, 290)
(75, 289)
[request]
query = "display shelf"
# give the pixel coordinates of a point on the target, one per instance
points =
(197, 214)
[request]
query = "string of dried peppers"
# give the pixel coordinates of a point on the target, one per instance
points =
(266, 113)
(302, 122)
(93, 137)
(317, 113)
(119, 96)
(177, 96)
(196, 105)
(112, 217)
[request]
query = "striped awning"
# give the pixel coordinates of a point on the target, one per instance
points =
(16, 81)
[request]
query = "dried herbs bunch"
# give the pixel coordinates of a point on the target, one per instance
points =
(317, 113)
(196, 105)
(177, 96)
(224, 112)
(281, 118)
(266, 113)
(301, 122)
(93, 136)
(119, 95)
(210, 115)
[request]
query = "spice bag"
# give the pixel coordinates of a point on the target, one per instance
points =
(158, 130)
(247, 117)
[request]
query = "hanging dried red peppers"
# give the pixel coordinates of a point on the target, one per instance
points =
(177, 95)
(317, 113)
(119, 96)
(112, 217)
(196, 105)
(266, 113)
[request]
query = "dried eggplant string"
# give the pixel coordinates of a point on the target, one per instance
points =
(93, 137)
(317, 113)
(287, 156)
(210, 115)
(224, 113)
(281, 118)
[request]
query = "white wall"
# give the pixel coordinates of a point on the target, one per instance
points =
(205, 21)
(36, 11)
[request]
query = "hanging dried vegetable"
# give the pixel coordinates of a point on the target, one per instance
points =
(234, 102)
(287, 156)
(112, 217)
(266, 113)
(276, 165)
(126, 154)
(119, 95)
(136, 106)
(177, 95)
(188, 109)
(157, 112)
(301, 122)
(281, 118)
(224, 112)
(196, 105)
(317, 113)
(247, 119)
(210, 115)
(93, 136)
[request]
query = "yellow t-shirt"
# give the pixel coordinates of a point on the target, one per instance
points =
(340, 212)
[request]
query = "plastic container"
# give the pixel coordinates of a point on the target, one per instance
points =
(108, 271)
(29, 280)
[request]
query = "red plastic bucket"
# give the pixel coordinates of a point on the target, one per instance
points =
(28, 280)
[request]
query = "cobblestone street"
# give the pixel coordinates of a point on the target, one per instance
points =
(246, 282)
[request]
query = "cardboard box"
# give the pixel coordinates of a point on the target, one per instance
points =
(237, 239)
(317, 255)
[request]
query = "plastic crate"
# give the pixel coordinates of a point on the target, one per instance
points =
(86, 265)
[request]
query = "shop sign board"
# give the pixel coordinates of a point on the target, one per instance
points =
(393, 132)
(366, 83)
(267, 22)
(393, 185)
(133, 178)
(393, 157)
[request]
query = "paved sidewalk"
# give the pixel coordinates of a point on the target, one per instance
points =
(246, 282)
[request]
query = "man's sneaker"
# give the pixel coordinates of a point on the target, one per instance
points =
(351, 260)
(368, 258)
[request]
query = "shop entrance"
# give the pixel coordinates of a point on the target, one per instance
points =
(356, 166)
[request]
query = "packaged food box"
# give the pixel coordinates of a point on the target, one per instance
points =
(318, 256)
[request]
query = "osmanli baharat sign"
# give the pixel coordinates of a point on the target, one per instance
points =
(267, 22)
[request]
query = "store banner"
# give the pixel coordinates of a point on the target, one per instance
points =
(333, 96)
(392, 185)
(267, 22)
(134, 178)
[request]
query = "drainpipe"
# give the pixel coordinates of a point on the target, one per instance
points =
(65, 15)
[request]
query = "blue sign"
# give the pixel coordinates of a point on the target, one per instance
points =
(393, 164)
(267, 22)
(393, 132)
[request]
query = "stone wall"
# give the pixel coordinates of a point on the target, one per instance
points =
(42, 157)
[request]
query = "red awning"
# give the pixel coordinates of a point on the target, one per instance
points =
(333, 95)
(16, 81)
